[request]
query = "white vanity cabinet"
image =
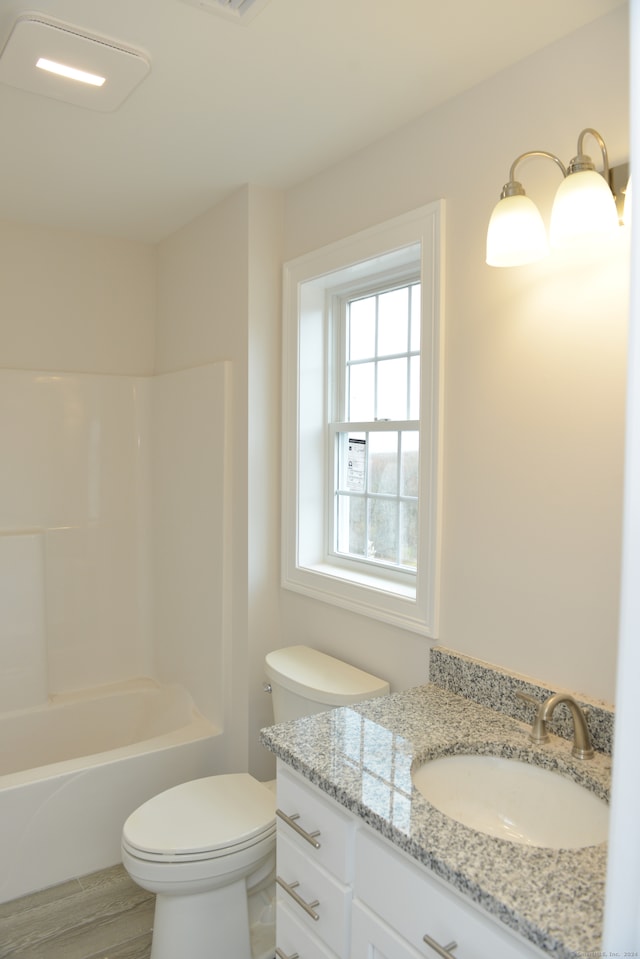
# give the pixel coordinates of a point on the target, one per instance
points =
(352, 895)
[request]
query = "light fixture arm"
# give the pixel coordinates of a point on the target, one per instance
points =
(513, 187)
(536, 153)
(584, 162)
(584, 206)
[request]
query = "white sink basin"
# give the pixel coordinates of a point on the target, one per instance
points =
(514, 800)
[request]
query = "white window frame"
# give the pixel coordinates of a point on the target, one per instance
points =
(378, 282)
(395, 248)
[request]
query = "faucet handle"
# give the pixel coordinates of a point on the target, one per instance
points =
(538, 732)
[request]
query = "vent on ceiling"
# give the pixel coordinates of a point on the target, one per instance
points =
(61, 61)
(240, 10)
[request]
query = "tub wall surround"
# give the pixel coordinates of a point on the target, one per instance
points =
(70, 474)
(97, 554)
(23, 660)
(112, 554)
(189, 537)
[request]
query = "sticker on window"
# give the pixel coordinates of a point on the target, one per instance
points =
(356, 465)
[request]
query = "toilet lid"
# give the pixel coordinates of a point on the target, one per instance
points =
(202, 815)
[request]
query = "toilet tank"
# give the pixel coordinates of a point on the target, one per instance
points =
(305, 681)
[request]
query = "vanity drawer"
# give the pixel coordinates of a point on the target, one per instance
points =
(309, 811)
(293, 939)
(327, 898)
(414, 903)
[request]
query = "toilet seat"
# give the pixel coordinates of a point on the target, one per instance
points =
(203, 819)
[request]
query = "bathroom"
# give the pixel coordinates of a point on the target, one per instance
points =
(534, 411)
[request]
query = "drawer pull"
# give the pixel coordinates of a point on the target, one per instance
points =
(290, 888)
(282, 955)
(291, 821)
(443, 951)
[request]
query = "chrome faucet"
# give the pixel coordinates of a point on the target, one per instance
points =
(582, 747)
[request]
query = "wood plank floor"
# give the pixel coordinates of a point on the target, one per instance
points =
(101, 916)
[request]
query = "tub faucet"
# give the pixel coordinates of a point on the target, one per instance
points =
(582, 747)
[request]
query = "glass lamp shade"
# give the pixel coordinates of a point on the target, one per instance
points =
(516, 233)
(583, 206)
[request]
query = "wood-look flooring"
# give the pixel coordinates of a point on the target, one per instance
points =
(100, 916)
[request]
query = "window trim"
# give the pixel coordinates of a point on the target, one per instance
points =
(416, 237)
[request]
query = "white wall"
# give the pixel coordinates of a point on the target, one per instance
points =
(535, 374)
(219, 282)
(76, 302)
(264, 380)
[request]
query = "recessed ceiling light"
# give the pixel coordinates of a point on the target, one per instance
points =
(42, 56)
(62, 70)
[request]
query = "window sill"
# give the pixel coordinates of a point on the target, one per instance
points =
(368, 594)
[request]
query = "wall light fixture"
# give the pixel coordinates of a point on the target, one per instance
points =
(584, 205)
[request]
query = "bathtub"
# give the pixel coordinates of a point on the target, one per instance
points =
(72, 770)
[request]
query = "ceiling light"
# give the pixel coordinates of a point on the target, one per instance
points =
(62, 70)
(584, 205)
(42, 55)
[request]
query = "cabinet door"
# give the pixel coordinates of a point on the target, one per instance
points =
(293, 940)
(410, 899)
(372, 939)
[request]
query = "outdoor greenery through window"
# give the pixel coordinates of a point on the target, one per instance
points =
(377, 436)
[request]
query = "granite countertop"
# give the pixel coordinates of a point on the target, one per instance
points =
(362, 757)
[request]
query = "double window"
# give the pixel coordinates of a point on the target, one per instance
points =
(362, 422)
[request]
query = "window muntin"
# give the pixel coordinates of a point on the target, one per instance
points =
(375, 510)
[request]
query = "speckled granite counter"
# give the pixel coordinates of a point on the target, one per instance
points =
(362, 757)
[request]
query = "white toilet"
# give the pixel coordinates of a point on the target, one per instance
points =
(207, 847)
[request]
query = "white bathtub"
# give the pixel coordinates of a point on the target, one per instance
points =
(71, 772)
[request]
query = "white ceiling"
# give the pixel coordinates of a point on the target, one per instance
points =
(272, 101)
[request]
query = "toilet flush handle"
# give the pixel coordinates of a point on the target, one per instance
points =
(266, 688)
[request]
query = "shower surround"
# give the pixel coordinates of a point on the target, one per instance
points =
(113, 536)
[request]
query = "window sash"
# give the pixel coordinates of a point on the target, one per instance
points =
(338, 312)
(337, 491)
(339, 374)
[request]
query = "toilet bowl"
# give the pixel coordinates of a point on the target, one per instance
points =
(207, 848)
(204, 848)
